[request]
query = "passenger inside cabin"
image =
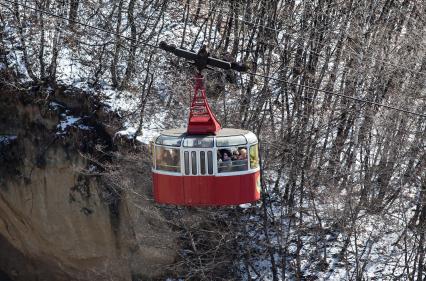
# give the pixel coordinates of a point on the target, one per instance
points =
(239, 159)
(219, 156)
(223, 155)
(232, 160)
(235, 155)
(242, 154)
(226, 157)
(224, 160)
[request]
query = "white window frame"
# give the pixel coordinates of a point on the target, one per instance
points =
(198, 150)
(214, 151)
(154, 168)
(237, 173)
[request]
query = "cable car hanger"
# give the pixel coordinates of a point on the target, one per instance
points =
(202, 59)
(202, 121)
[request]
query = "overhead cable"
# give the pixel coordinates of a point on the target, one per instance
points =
(251, 73)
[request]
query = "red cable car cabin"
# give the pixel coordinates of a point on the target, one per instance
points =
(221, 169)
(205, 165)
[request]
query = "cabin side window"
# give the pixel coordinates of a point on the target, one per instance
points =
(254, 156)
(167, 159)
(232, 159)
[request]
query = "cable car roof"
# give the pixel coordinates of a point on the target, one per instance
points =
(224, 132)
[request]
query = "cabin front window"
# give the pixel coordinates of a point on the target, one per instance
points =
(167, 159)
(198, 162)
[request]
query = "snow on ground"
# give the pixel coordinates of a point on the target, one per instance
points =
(150, 129)
(67, 120)
(373, 245)
(120, 101)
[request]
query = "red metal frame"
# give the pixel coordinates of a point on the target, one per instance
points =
(202, 121)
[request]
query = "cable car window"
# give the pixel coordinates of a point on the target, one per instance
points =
(167, 159)
(168, 140)
(194, 162)
(202, 162)
(198, 142)
(233, 159)
(230, 141)
(186, 159)
(254, 156)
(251, 138)
(210, 162)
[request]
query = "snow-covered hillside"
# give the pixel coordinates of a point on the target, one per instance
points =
(343, 177)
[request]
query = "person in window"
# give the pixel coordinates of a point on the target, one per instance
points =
(219, 156)
(243, 154)
(240, 163)
(235, 155)
(227, 158)
(225, 162)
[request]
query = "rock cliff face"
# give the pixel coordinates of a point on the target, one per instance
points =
(60, 219)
